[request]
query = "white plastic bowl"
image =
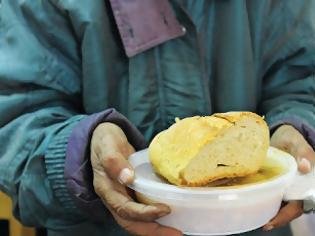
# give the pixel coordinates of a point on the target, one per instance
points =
(211, 210)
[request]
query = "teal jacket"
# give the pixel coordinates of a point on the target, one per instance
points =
(63, 62)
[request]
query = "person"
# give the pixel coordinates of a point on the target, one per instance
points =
(86, 83)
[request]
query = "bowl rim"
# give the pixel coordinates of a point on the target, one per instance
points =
(152, 188)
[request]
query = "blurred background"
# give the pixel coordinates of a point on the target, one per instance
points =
(9, 226)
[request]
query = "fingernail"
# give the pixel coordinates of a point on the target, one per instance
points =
(268, 227)
(162, 207)
(306, 163)
(163, 213)
(125, 176)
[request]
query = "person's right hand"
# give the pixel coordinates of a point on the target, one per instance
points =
(109, 151)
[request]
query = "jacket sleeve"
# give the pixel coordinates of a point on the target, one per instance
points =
(42, 122)
(38, 111)
(289, 67)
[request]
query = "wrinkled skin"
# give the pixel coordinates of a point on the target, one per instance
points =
(109, 152)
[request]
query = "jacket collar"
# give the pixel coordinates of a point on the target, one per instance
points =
(145, 24)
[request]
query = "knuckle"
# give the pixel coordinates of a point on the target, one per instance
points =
(281, 141)
(148, 214)
(110, 160)
(284, 144)
(122, 210)
(128, 211)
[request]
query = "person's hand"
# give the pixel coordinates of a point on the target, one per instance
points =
(288, 139)
(109, 151)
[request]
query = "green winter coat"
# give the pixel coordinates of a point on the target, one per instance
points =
(63, 60)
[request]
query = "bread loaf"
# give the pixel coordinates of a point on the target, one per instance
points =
(197, 150)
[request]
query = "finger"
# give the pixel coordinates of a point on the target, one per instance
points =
(126, 208)
(304, 165)
(112, 139)
(117, 167)
(305, 156)
(116, 197)
(129, 150)
(288, 213)
(123, 147)
(292, 141)
(150, 229)
(145, 228)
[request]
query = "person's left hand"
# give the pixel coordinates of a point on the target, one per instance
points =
(288, 139)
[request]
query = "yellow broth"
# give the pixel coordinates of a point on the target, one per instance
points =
(270, 169)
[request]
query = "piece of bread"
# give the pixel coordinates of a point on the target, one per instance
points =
(197, 150)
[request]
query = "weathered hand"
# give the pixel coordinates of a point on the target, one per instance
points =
(289, 139)
(112, 171)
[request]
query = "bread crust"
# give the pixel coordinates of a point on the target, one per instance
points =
(198, 150)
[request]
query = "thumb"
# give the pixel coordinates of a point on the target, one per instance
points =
(304, 153)
(305, 158)
(292, 141)
(118, 168)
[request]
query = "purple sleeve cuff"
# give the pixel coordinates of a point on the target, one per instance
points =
(78, 170)
(302, 126)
